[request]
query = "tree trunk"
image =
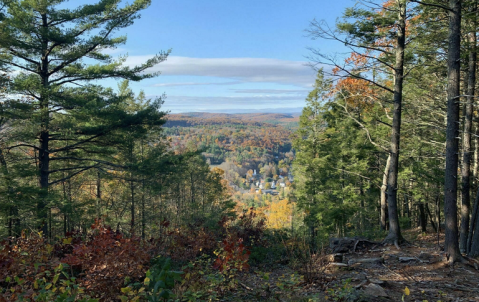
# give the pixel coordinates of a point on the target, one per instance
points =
(384, 200)
(132, 209)
(362, 220)
(466, 160)
(476, 159)
(43, 152)
(431, 220)
(452, 132)
(143, 218)
(473, 233)
(13, 219)
(438, 212)
(394, 235)
(98, 195)
(407, 210)
(422, 217)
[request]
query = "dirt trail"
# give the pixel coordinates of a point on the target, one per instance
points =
(376, 273)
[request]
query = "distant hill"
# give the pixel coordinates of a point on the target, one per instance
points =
(293, 110)
(191, 119)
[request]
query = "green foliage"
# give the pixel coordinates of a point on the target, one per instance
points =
(332, 169)
(159, 281)
(48, 286)
(343, 293)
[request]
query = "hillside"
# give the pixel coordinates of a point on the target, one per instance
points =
(254, 150)
(251, 119)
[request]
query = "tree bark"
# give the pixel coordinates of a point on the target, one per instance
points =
(43, 153)
(422, 217)
(452, 132)
(394, 235)
(13, 219)
(476, 158)
(98, 195)
(431, 220)
(473, 235)
(132, 207)
(384, 199)
(466, 159)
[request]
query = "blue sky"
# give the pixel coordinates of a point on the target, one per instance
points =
(230, 54)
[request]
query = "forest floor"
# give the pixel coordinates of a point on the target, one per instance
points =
(372, 272)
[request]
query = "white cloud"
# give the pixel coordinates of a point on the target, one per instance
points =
(272, 91)
(224, 102)
(263, 70)
(195, 84)
(113, 51)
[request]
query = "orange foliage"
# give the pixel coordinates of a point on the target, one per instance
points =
(359, 93)
(357, 59)
(233, 254)
(107, 258)
(101, 261)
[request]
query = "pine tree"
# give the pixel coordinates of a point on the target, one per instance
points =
(52, 49)
(376, 36)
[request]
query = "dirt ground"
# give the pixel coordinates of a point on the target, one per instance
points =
(372, 272)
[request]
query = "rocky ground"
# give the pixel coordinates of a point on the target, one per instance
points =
(362, 270)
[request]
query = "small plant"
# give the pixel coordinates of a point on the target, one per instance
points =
(47, 286)
(201, 281)
(407, 292)
(157, 285)
(232, 255)
(344, 293)
(160, 279)
(289, 283)
(288, 286)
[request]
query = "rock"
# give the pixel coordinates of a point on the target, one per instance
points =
(335, 266)
(335, 257)
(355, 277)
(359, 277)
(406, 259)
(390, 257)
(425, 256)
(375, 290)
(361, 284)
(346, 244)
(341, 245)
(377, 281)
(366, 260)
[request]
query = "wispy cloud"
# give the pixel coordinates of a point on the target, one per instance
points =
(114, 51)
(182, 103)
(195, 84)
(254, 70)
(272, 91)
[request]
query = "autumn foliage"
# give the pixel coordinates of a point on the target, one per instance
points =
(107, 258)
(101, 262)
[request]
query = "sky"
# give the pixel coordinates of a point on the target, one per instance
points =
(230, 55)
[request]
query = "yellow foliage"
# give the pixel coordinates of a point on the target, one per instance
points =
(280, 214)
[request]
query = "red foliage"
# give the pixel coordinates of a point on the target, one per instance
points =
(107, 258)
(233, 254)
(103, 259)
(24, 257)
(183, 243)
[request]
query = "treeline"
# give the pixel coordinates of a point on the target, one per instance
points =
(388, 138)
(247, 119)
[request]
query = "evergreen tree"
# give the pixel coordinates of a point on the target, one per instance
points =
(52, 48)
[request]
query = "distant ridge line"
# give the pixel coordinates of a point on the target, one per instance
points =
(189, 119)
